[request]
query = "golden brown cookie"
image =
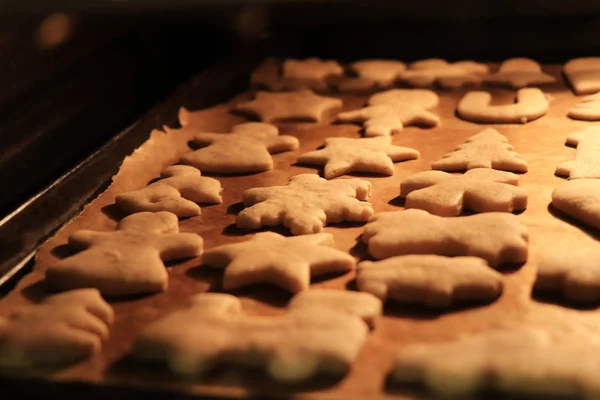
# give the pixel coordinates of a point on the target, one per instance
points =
(518, 73)
(531, 104)
(586, 163)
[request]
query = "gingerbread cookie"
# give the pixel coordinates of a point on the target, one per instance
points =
(527, 362)
(499, 238)
(447, 75)
(580, 199)
(344, 155)
(287, 262)
(486, 149)
(306, 204)
(387, 119)
(433, 281)
(587, 110)
(421, 97)
(479, 190)
(62, 329)
(586, 163)
(178, 191)
(292, 347)
(531, 104)
(383, 73)
(584, 74)
(247, 149)
(301, 105)
(129, 260)
(311, 69)
(267, 75)
(518, 73)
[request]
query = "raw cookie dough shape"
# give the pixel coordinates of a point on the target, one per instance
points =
(287, 262)
(479, 190)
(575, 273)
(584, 74)
(429, 280)
(387, 119)
(518, 73)
(425, 98)
(528, 361)
(486, 149)
(129, 260)
(292, 347)
(306, 204)
(61, 330)
(587, 110)
(476, 106)
(580, 199)
(341, 156)
(499, 238)
(300, 105)
(247, 149)
(447, 75)
(178, 191)
(586, 163)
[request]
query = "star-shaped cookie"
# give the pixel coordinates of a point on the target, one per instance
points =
(344, 155)
(287, 262)
(301, 105)
(306, 204)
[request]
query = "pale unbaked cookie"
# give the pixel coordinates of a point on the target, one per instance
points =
(247, 148)
(178, 191)
(287, 262)
(519, 73)
(129, 260)
(528, 361)
(587, 110)
(292, 347)
(300, 105)
(580, 199)
(486, 149)
(586, 163)
(584, 74)
(387, 119)
(430, 280)
(479, 190)
(421, 97)
(62, 329)
(306, 204)
(496, 237)
(341, 156)
(447, 75)
(531, 104)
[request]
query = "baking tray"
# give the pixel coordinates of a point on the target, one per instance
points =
(541, 143)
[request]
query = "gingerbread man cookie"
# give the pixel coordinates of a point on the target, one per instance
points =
(292, 347)
(531, 104)
(247, 149)
(586, 163)
(288, 262)
(497, 237)
(587, 110)
(447, 75)
(341, 156)
(306, 204)
(479, 190)
(584, 74)
(518, 73)
(129, 260)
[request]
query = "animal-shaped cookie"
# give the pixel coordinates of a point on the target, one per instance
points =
(341, 156)
(499, 238)
(129, 260)
(62, 329)
(387, 119)
(486, 149)
(583, 74)
(479, 190)
(287, 262)
(526, 362)
(518, 73)
(430, 280)
(292, 347)
(247, 149)
(382, 73)
(531, 104)
(178, 191)
(306, 204)
(301, 105)
(586, 163)
(425, 98)
(447, 75)
(587, 110)
(580, 199)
